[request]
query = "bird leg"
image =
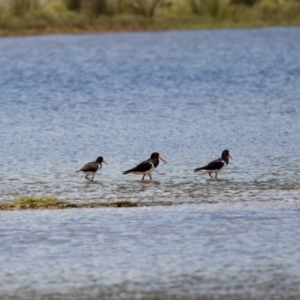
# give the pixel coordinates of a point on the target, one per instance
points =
(150, 177)
(216, 176)
(92, 178)
(210, 175)
(143, 177)
(88, 177)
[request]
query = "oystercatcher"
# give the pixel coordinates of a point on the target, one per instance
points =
(216, 166)
(147, 166)
(91, 168)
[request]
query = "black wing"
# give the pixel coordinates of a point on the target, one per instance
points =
(213, 165)
(142, 167)
(90, 167)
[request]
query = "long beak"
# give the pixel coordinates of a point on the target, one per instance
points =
(230, 156)
(162, 159)
(104, 162)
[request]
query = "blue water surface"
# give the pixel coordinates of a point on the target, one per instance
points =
(67, 99)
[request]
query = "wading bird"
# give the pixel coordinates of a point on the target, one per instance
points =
(91, 168)
(216, 166)
(147, 166)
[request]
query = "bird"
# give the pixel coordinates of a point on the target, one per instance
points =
(147, 167)
(216, 166)
(91, 168)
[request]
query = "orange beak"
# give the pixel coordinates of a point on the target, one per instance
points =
(105, 162)
(230, 156)
(162, 159)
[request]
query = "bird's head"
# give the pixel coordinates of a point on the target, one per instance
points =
(156, 155)
(100, 160)
(226, 154)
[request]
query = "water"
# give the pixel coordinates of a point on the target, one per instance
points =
(67, 99)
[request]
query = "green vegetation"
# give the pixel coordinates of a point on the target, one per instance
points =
(54, 16)
(51, 202)
(32, 203)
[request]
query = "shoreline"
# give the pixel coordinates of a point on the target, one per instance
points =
(12, 206)
(147, 26)
(51, 202)
(40, 17)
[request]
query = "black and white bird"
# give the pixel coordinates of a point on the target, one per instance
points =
(91, 168)
(216, 166)
(147, 166)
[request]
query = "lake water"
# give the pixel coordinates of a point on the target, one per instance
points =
(67, 99)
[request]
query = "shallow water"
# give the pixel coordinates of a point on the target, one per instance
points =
(189, 95)
(207, 251)
(67, 99)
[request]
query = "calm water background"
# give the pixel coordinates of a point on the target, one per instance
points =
(189, 95)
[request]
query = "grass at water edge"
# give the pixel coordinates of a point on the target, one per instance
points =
(51, 202)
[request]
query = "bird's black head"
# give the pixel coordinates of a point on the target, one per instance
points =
(100, 160)
(226, 154)
(154, 155)
(157, 156)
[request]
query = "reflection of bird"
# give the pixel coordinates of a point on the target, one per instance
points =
(91, 168)
(147, 166)
(216, 166)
